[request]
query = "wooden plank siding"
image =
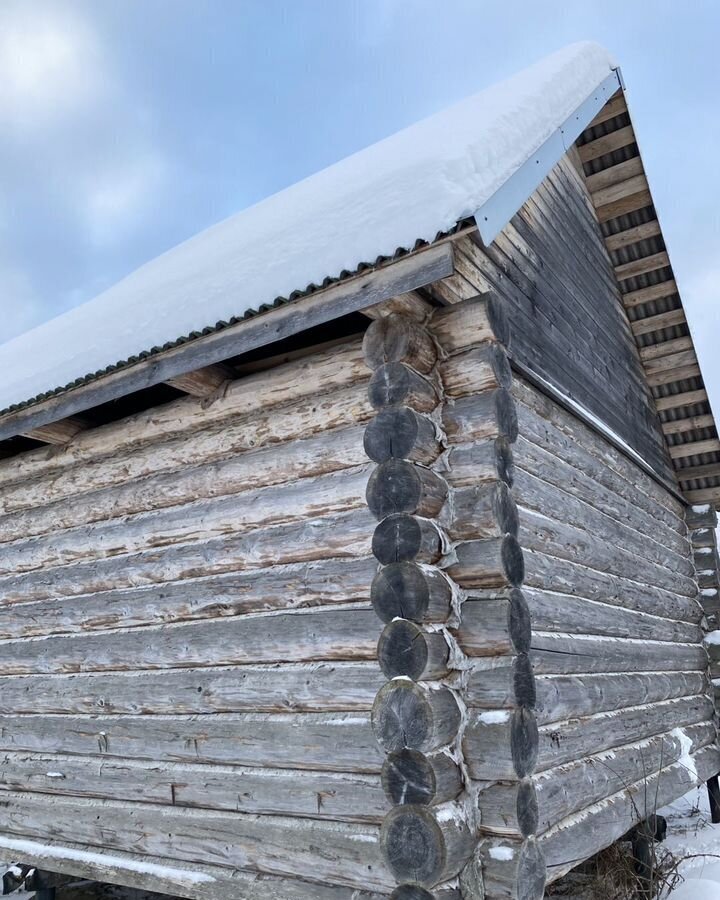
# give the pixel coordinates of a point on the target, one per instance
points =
(616, 182)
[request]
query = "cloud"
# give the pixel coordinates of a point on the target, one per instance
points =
(49, 64)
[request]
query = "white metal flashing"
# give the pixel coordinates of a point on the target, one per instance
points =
(497, 211)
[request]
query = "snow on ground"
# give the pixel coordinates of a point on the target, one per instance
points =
(694, 840)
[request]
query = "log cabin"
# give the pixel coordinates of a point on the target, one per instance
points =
(363, 546)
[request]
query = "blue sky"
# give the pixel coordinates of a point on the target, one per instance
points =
(126, 126)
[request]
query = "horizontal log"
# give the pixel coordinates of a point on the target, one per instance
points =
(410, 716)
(613, 175)
(397, 338)
(482, 511)
(300, 687)
(340, 536)
(605, 822)
(400, 433)
(651, 324)
(339, 742)
(704, 516)
(160, 875)
(640, 297)
(513, 870)
(397, 486)
(481, 369)
(409, 591)
(473, 321)
(415, 892)
(411, 777)
(283, 845)
(403, 538)
(632, 235)
(552, 611)
(703, 538)
(487, 738)
(541, 534)
(326, 634)
(686, 398)
(314, 795)
(560, 697)
(479, 417)
(497, 562)
(478, 463)
(496, 626)
(395, 384)
(294, 586)
(549, 573)
(601, 146)
(200, 521)
(563, 791)
(331, 410)
(405, 649)
(423, 846)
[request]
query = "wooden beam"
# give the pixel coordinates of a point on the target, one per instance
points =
(353, 295)
(409, 304)
(688, 398)
(633, 235)
(655, 379)
(607, 143)
(631, 202)
(202, 382)
(690, 424)
(614, 175)
(657, 323)
(643, 265)
(665, 348)
(695, 448)
(60, 432)
(649, 294)
(704, 495)
(615, 106)
(620, 189)
(691, 473)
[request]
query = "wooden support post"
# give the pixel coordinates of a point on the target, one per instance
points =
(713, 787)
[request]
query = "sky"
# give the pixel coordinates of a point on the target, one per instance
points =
(126, 126)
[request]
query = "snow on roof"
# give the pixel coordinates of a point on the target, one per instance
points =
(412, 186)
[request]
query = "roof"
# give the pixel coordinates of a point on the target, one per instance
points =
(482, 157)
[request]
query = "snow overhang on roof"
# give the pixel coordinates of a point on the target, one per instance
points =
(481, 158)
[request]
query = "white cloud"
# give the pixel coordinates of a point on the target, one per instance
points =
(49, 64)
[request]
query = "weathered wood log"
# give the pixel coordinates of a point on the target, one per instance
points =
(395, 384)
(404, 648)
(403, 538)
(397, 486)
(340, 536)
(496, 562)
(513, 870)
(409, 716)
(478, 463)
(703, 537)
(415, 892)
(548, 573)
(473, 321)
(199, 521)
(481, 416)
(605, 822)
(299, 687)
(159, 875)
(561, 612)
(284, 845)
(336, 796)
(558, 793)
(202, 382)
(412, 777)
(474, 371)
(701, 516)
(401, 433)
(294, 586)
(707, 579)
(549, 500)
(483, 511)
(399, 339)
(502, 682)
(292, 637)
(542, 534)
(497, 626)
(424, 847)
(339, 742)
(409, 591)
